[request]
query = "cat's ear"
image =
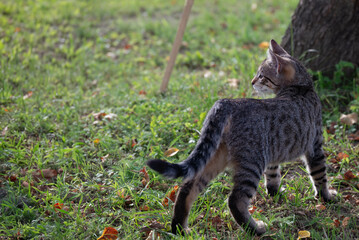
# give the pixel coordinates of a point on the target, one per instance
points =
(277, 49)
(280, 63)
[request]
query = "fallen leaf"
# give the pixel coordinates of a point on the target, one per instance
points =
(44, 173)
(25, 184)
(171, 196)
(349, 175)
(153, 235)
(133, 143)
(252, 209)
(171, 152)
(320, 207)
(303, 234)
(291, 197)
(58, 205)
(99, 115)
(26, 96)
(13, 178)
(348, 197)
(354, 136)
(127, 46)
(342, 156)
(142, 92)
(264, 45)
(109, 233)
(349, 119)
(336, 223)
(104, 158)
(4, 131)
(146, 178)
(331, 128)
(110, 116)
(48, 173)
(217, 220)
(144, 208)
(345, 221)
(121, 193)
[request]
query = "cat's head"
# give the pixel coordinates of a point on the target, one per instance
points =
(279, 70)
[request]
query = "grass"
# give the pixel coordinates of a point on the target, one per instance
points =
(69, 167)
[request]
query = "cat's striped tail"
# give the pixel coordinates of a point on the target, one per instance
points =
(208, 143)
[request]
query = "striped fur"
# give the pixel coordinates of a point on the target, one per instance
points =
(253, 137)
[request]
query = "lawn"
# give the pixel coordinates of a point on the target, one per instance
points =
(81, 112)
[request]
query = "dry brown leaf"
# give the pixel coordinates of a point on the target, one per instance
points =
(170, 196)
(144, 208)
(342, 156)
(252, 209)
(13, 178)
(58, 205)
(336, 222)
(153, 235)
(354, 136)
(142, 92)
(44, 173)
(349, 175)
(171, 152)
(320, 207)
(146, 178)
(109, 233)
(345, 221)
(99, 115)
(349, 119)
(217, 220)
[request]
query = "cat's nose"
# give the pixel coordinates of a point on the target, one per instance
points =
(254, 80)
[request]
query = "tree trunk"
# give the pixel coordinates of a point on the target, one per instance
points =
(323, 33)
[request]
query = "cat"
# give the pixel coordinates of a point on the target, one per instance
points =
(253, 136)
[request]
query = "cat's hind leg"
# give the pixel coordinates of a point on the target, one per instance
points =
(191, 189)
(246, 179)
(272, 179)
(317, 169)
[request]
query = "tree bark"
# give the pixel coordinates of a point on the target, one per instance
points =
(324, 32)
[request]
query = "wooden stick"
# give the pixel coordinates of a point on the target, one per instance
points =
(176, 45)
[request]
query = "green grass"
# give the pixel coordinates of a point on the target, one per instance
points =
(63, 61)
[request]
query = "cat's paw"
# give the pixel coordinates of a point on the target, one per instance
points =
(332, 196)
(272, 191)
(260, 227)
(329, 196)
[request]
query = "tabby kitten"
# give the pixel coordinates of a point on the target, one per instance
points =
(253, 137)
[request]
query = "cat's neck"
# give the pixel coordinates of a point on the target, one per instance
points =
(295, 90)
